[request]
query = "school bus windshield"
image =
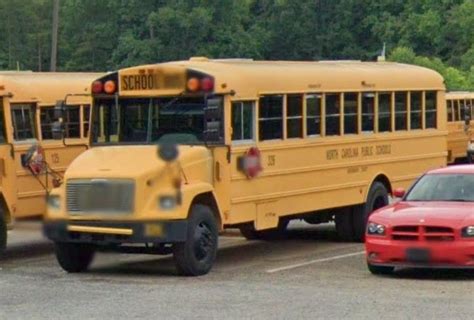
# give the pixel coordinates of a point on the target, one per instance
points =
(177, 120)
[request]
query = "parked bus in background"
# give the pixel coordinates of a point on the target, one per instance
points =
(260, 143)
(459, 107)
(27, 103)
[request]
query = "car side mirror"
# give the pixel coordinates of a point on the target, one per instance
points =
(168, 152)
(399, 193)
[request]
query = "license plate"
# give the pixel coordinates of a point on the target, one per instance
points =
(154, 230)
(418, 255)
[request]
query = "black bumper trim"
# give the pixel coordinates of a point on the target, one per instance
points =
(172, 231)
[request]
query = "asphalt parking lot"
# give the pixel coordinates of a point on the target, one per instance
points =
(307, 275)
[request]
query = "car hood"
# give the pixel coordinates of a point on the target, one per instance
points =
(454, 214)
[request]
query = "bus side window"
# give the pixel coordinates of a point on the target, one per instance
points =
(415, 109)
(313, 115)
(243, 120)
(449, 106)
(3, 138)
(46, 122)
(400, 111)
(72, 122)
(350, 113)
(23, 116)
(385, 112)
(294, 116)
(86, 115)
(333, 113)
(456, 104)
(461, 110)
(368, 107)
(430, 109)
(270, 116)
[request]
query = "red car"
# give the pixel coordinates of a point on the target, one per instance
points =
(431, 226)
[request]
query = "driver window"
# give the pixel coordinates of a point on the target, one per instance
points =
(23, 117)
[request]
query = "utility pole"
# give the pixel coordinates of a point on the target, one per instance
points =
(54, 36)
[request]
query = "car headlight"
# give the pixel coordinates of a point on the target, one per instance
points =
(468, 232)
(167, 202)
(375, 229)
(54, 202)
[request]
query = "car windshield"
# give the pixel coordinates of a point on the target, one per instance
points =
(143, 121)
(443, 187)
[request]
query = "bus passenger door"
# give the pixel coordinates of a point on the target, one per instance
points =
(30, 191)
(221, 179)
(7, 165)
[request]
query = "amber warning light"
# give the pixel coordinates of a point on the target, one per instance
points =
(205, 84)
(109, 87)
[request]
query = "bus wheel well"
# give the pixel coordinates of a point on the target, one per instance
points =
(384, 180)
(208, 200)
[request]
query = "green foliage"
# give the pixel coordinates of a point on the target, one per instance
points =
(455, 79)
(110, 34)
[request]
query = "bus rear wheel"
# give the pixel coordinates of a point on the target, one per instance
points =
(3, 234)
(344, 224)
(376, 199)
(249, 232)
(74, 257)
(197, 254)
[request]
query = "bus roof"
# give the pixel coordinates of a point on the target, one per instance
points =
(249, 78)
(453, 95)
(46, 87)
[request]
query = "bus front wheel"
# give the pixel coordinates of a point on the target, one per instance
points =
(74, 257)
(197, 254)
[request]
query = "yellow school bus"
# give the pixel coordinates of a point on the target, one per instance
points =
(27, 103)
(246, 144)
(459, 105)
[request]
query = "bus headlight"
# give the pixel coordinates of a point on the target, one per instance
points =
(375, 229)
(468, 232)
(54, 202)
(167, 202)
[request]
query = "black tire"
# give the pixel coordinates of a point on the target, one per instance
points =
(376, 199)
(344, 224)
(380, 270)
(249, 232)
(74, 257)
(3, 234)
(197, 254)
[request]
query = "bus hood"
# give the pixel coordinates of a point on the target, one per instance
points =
(132, 161)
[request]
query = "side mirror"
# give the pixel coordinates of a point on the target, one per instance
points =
(57, 129)
(399, 193)
(59, 109)
(168, 152)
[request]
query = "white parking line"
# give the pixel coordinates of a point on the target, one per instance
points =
(293, 266)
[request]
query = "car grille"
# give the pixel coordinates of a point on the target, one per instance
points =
(419, 233)
(114, 196)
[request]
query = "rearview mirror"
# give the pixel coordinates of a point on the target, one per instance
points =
(168, 152)
(57, 130)
(59, 109)
(399, 193)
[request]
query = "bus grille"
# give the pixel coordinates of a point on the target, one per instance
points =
(100, 196)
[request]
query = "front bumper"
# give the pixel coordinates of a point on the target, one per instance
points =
(452, 254)
(116, 232)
